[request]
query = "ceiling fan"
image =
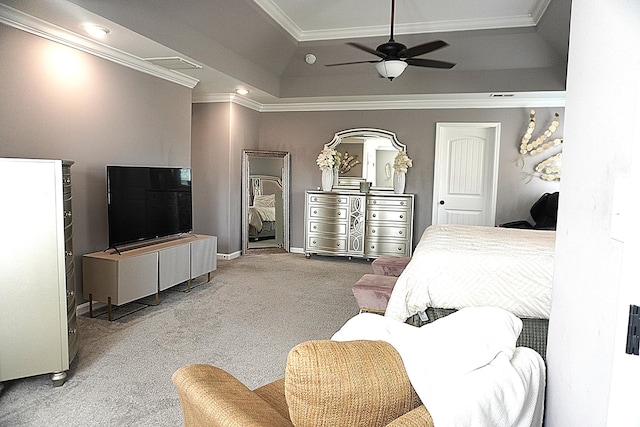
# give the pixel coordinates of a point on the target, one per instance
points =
(395, 57)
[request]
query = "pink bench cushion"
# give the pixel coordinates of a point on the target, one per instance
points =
(388, 265)
(373, 291)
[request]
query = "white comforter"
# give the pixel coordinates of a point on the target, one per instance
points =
(457, 266)
(258, 214)
(464, 367)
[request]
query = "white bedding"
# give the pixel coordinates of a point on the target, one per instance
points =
(258, 214)
(456, 266)
(464, 367)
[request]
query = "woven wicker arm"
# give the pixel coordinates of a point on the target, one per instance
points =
(212, 397)
(419, 417)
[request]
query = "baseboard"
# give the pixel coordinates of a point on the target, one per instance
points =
(230, 256)
(296, 250)
(84, 307)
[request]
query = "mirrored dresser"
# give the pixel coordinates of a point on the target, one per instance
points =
(354, 224)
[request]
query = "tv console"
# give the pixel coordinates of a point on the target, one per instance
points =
(118, 278)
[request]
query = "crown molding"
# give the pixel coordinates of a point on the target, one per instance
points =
(25, 22)
(413, 102)
(300, 35)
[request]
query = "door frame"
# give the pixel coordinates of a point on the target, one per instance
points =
(439, 168)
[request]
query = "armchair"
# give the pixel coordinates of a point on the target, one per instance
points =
(326, 383)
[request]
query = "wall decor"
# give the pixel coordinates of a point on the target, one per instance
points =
(550, 168)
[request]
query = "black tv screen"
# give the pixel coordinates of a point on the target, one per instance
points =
(147, 202)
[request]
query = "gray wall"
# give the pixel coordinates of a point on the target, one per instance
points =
(220, 132)
(304, 133)
(61, 103)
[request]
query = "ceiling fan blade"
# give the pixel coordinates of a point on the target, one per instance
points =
(421, 49)
(431, 63)
(367, 49)
(350, 63)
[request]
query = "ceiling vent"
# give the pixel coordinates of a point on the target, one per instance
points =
(174, 63)
(502, 95)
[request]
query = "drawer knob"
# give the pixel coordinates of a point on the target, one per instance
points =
(68, 253)
(314, 199)
(399, 249)
(400, 232)
(70, 293)
(339, 213)
(402, 203)
(315, 227)
(67, 214)
(72, 331)
(374, 215)
(373, 247)
(401, 216)
(313, 241)
(338, 244)
(315, 212)
(373, 231)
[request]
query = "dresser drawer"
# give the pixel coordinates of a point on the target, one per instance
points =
(398, 232)
(328, 199)
(389, 202)
(376, 248)
(336, 213)
(331, 244)
(333, 228)
(387, 215)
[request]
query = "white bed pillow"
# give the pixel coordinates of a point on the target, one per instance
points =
(265, 201)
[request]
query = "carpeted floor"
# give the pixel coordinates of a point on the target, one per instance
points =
(245, 320)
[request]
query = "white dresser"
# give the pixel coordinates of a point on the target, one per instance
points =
(37, 289)
(357, 224)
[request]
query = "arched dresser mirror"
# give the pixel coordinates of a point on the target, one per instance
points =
(265, 199)
(367, 156)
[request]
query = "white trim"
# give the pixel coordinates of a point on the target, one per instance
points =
(282, 19)
(411, 102)
(296, 250)
(232, 255)
(25, 22)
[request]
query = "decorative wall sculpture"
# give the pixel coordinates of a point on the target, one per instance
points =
(550, 168)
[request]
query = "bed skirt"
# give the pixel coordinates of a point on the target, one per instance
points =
(533, 335)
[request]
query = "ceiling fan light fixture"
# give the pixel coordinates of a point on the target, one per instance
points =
(391, 69)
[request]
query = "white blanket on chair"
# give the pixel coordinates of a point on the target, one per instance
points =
(464, 367)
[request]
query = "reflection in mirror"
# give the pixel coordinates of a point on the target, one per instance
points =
(367, 155)
(265, 200)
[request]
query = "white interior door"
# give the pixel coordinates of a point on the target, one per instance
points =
(466, 173)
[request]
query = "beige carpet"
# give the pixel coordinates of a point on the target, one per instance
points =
(245, 320)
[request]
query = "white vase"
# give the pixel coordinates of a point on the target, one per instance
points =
(327, 179)
(398, 182)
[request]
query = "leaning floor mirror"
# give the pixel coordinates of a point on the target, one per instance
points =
(265, 200)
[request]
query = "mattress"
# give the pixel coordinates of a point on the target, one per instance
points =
(456, 266)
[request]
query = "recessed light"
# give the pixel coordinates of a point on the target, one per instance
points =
(96, 30)
(242, 91)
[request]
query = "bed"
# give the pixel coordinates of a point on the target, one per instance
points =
(266, 193)
(456, 266)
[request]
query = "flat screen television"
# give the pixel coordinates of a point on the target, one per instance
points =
(147, 202)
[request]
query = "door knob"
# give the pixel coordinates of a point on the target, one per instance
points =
(442, 202)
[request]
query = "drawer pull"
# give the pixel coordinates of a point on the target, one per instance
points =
(70, 293)
(373, 231)
(72, 331)
(338, 244)
(67, 214)
(315, 212)
(339, 213)
(399, 249)
(66, 180)
(68, 253)
(373, 247)
(400, 232)
(401, 216)
(403, 203)
(315, 227)
(314, 242)
(373, 216)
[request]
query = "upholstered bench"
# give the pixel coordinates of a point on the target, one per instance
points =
(373, 291)
(387, 265)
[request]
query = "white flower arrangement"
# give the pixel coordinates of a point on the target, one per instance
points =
(327, 158)
(402, 162)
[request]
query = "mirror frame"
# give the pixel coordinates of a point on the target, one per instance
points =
(286, 171)
(354, 183)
